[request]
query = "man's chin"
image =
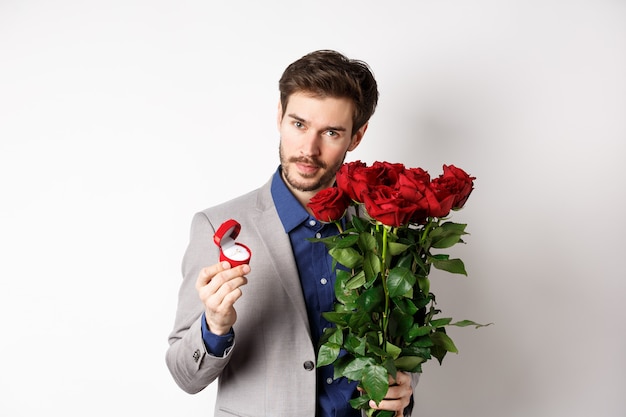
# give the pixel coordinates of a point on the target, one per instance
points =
(304, 182)
(305, 186)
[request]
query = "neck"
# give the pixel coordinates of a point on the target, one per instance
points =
(303, 196)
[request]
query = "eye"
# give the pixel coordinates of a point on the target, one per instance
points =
(332, 133)
(298, 124)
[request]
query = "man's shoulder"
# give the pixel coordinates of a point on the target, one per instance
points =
(259, 199)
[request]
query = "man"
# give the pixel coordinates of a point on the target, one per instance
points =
(256, 327)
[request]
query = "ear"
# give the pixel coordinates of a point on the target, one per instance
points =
(279, 115)
(356, 138)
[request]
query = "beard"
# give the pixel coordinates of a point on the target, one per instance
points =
(295, 183)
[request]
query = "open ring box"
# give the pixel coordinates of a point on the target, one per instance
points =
(231, 251)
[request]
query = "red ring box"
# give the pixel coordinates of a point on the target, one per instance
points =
(231, 251)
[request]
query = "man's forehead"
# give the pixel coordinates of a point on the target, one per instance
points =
(329, 110)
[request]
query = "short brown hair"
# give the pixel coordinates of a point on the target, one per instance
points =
(327, 73)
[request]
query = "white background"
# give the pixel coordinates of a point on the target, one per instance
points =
(120, 119)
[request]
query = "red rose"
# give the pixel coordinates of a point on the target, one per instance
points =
(412, 186)
(352, 179)
(387, 206)
(413, 189)
(355, 178)
(329, 204)
(386, 173)
(453, 184)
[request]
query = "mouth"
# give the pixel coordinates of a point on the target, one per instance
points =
(306, 169)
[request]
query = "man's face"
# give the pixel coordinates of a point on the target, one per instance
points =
(315, 135)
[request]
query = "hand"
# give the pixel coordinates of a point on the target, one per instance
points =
(398, 396)
(219, 287)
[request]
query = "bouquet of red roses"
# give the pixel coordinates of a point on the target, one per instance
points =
(390, 218)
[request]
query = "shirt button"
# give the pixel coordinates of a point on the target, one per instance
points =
(329, 380)
(309, 365)
(318, 235)
(312, 222)
(324, 281)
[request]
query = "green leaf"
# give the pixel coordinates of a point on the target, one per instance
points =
(356, 281)
(406, 306)
(422, 341)
(343, 293)
(390, 366)
(348, 257)
(400, 281)
(375, 382)
(392, 350)
(371, 267)
(340, 364)
(375, 350)
(360, 323)
(371, 298)
(359, 224)
(443, 340)
(421, 300)
(355, 369)
(396, 248)
(439, 353)
(367, 242)
(341, 319)
(440, 322)
(422, 352)
(417, 331)
(405, 261)
(452, 226)
(465, 323)
(360, 402)
(347, 240)
(400, 323)
(328, 241)
(455, 266)
(445, 242)
(423, 267)
(409, 363)
(424, 284)
(448, 228)
(355, 345)
(327, 354)
(447, 235)
(333, 335)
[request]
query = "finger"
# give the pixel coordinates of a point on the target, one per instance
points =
(225, 276)
(401, 378)
(227, 292)
(232, 296)
(216, 291)
(206, 274)
(389, 405)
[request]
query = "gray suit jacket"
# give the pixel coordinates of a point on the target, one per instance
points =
(270, 369)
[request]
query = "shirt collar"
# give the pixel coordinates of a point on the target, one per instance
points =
(290, 211)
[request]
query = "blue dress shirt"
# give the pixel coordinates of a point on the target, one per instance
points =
(318, 282)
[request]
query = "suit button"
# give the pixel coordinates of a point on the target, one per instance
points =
(309, 365)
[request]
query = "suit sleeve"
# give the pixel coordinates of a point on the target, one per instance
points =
(187, 359)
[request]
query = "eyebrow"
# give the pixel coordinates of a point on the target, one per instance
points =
(300, 119)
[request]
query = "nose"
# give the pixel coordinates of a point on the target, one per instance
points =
(310, 145)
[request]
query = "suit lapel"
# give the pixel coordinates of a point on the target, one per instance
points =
(276, 242)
